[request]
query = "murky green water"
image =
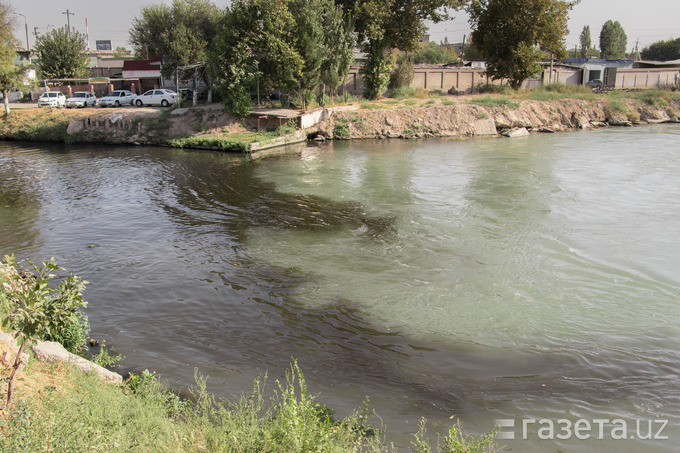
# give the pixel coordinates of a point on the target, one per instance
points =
(488, 279)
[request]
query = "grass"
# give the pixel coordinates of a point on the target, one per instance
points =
(81, 413)
(557, 91)
(494, 101)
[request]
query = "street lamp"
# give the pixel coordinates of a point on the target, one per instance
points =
(28, 47)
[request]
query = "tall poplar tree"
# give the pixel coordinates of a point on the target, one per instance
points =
(613, 40)
(586, 41)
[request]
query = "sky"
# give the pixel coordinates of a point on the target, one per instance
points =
(644, 22)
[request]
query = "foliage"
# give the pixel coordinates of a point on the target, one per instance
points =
(401, 75)
(181, 33)
(339, 41)
(341, 129)
(376, 70)
(493, 101)
(40, 311)
(662, 50)
(63, 54)
(613, 40)
(254, 45)
(383, 25)
(455, 441)
(105, 358)
(586, 41)
(206, 141)
(433, 53)
(10, 74)
(85, 415)
(510, 33)
(556, 91)
(34, 310)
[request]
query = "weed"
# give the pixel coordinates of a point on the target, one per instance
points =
(105, 358)
(448, 102)
(489, 101)
(341, 129)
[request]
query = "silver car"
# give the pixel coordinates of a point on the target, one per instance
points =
(81, 99)
(118, 98)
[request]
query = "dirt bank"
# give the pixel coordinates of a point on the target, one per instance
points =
(412, 118)
(470, 120)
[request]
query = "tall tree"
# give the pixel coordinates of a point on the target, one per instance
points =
(586, 41)
(510, 34)
(181, 32)
(613, 40)
(383, 25)
(254, 46)
(339, 42)
(10, 74)
(63, 54)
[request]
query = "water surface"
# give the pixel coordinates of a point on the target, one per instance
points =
(486, 279)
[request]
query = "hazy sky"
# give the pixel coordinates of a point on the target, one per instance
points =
(648, 21)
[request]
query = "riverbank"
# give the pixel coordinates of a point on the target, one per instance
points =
(209, 127)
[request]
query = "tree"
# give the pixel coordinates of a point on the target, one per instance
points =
(145, 34)
(433, 53)
(254, 46)
(62, 54)
(10, 74)
(38, 311)
(339, 42)
(613, 40)
(586, 41)
(662, 50)
(383, 25)
(511, 33)
(181, 33)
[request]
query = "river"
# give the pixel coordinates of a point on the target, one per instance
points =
(491, 279)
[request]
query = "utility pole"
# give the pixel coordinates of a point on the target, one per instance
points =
(68, 20)
(28, 47)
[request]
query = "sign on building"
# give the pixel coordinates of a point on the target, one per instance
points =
(104, 45)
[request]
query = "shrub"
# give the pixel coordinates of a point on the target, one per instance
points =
(341, 129)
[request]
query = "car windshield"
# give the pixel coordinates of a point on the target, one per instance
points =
(51, 94)
(79, 95)
(115, 93)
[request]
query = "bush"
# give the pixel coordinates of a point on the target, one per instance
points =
(43, 312)
(401, 76)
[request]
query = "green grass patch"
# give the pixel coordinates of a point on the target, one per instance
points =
(212, 142)
(410, 101)
(370, 106)
(494, 101)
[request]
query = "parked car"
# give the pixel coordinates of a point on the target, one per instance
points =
(595, 83)
(81, 99)
(52, 99)
(118, 98)
(159, 96)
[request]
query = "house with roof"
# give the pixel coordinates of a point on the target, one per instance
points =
(147, 72)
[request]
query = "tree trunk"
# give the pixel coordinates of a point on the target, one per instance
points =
(17, 360)
(5, 96)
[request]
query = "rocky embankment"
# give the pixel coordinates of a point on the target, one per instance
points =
(470, 120)
(469, 116)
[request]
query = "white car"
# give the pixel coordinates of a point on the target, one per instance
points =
(159, 96)
(118, 98)
(81, 99)
(52, 99)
